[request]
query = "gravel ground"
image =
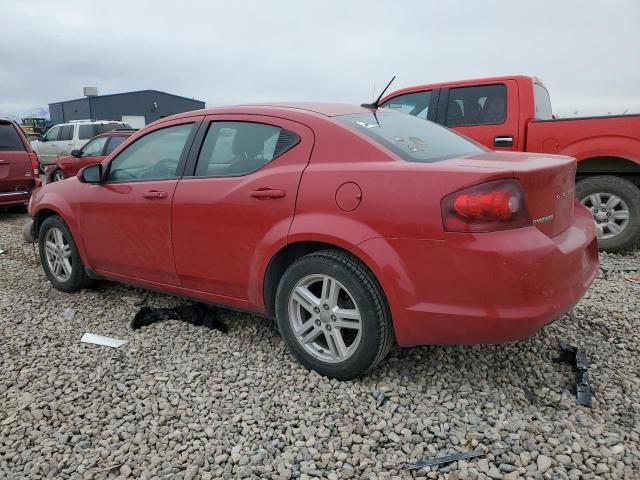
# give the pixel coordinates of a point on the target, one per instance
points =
(184, 402)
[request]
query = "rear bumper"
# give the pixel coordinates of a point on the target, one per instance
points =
(486, 288)
(9, 199)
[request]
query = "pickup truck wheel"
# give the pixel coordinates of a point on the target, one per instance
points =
(615, 205)
(333, 315)
(59, 256)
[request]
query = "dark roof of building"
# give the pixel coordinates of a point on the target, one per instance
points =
(128, 93)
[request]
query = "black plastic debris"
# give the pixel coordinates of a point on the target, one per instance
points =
(429, 462)
(606, 271)
(197, 314)
(578, 358)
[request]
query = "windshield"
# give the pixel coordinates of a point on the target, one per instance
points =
(411, 138)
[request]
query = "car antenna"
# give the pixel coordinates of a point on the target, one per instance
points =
(374, 105)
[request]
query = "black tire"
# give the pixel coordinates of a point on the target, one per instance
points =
(626, 191)
(57, 173)
(376, 326)
(78, 279)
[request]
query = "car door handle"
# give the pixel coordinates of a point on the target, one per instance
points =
(266, 193)
(503, 141)
(155, 194)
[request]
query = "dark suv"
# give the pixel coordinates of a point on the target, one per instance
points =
(19, 165)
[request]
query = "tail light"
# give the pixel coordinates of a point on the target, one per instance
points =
(35, 163)
(491, 206)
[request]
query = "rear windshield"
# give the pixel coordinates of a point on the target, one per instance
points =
(411, 138)
(9, 138)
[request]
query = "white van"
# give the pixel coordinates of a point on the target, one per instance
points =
(60, 140)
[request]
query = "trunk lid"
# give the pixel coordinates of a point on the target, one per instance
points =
(548, 184)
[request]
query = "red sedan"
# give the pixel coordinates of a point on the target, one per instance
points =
(92, 152)
(354, 227)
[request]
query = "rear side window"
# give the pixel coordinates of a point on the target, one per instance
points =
(481, 105)
(114, 142)
(411, 138)
(416, 104)
(237, 148)
(9, 138)
(87, 131)
(66, 133)
(542, 102)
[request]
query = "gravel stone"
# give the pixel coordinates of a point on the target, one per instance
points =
(183, 402)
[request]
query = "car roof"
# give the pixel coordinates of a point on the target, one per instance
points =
(314, 108)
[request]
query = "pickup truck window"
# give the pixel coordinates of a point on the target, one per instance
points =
(416, 104)
(542, 102)
(479, 105)
(411, 138)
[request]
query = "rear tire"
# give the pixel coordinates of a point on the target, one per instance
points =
(333, 315)
(59, 256)
(609, 197)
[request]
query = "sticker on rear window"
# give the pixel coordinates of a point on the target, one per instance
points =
(368, 125)
(417, 144)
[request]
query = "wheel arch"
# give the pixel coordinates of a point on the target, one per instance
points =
(291, 252)
(609, 165)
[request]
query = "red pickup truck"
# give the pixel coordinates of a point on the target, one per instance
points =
(514, 113)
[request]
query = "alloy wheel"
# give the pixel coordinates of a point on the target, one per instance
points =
(58, 254)
(58, 175)
(325, 318)
(610, 213)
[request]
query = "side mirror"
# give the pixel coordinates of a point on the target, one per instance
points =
(76, 153)
(91, 174)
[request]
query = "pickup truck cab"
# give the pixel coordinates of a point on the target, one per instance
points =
(62, 139)
(514, 114)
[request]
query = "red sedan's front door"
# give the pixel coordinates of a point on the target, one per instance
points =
(126, 220)
(238, 206)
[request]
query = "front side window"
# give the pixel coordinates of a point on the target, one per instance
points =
(66, 133)
(114, 142)
(52, 134)
(152, 157)
(481, 105)
(542, 102)
(94, 148)
(411, 138)
(87, 131)
(416, 104)
(237, 148)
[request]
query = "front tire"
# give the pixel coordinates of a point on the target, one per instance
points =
(58, 176)
(615, 205)
(59, 256)
(333, 315)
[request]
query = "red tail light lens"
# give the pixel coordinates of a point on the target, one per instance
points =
(35, 163)
(491, 206)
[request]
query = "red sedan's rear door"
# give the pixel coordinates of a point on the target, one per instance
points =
(236, 208)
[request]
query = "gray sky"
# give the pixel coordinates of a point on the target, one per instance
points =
(224, 52)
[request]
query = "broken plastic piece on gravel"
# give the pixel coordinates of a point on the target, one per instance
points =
(578, 358)
(100, 340)
(429, 462)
